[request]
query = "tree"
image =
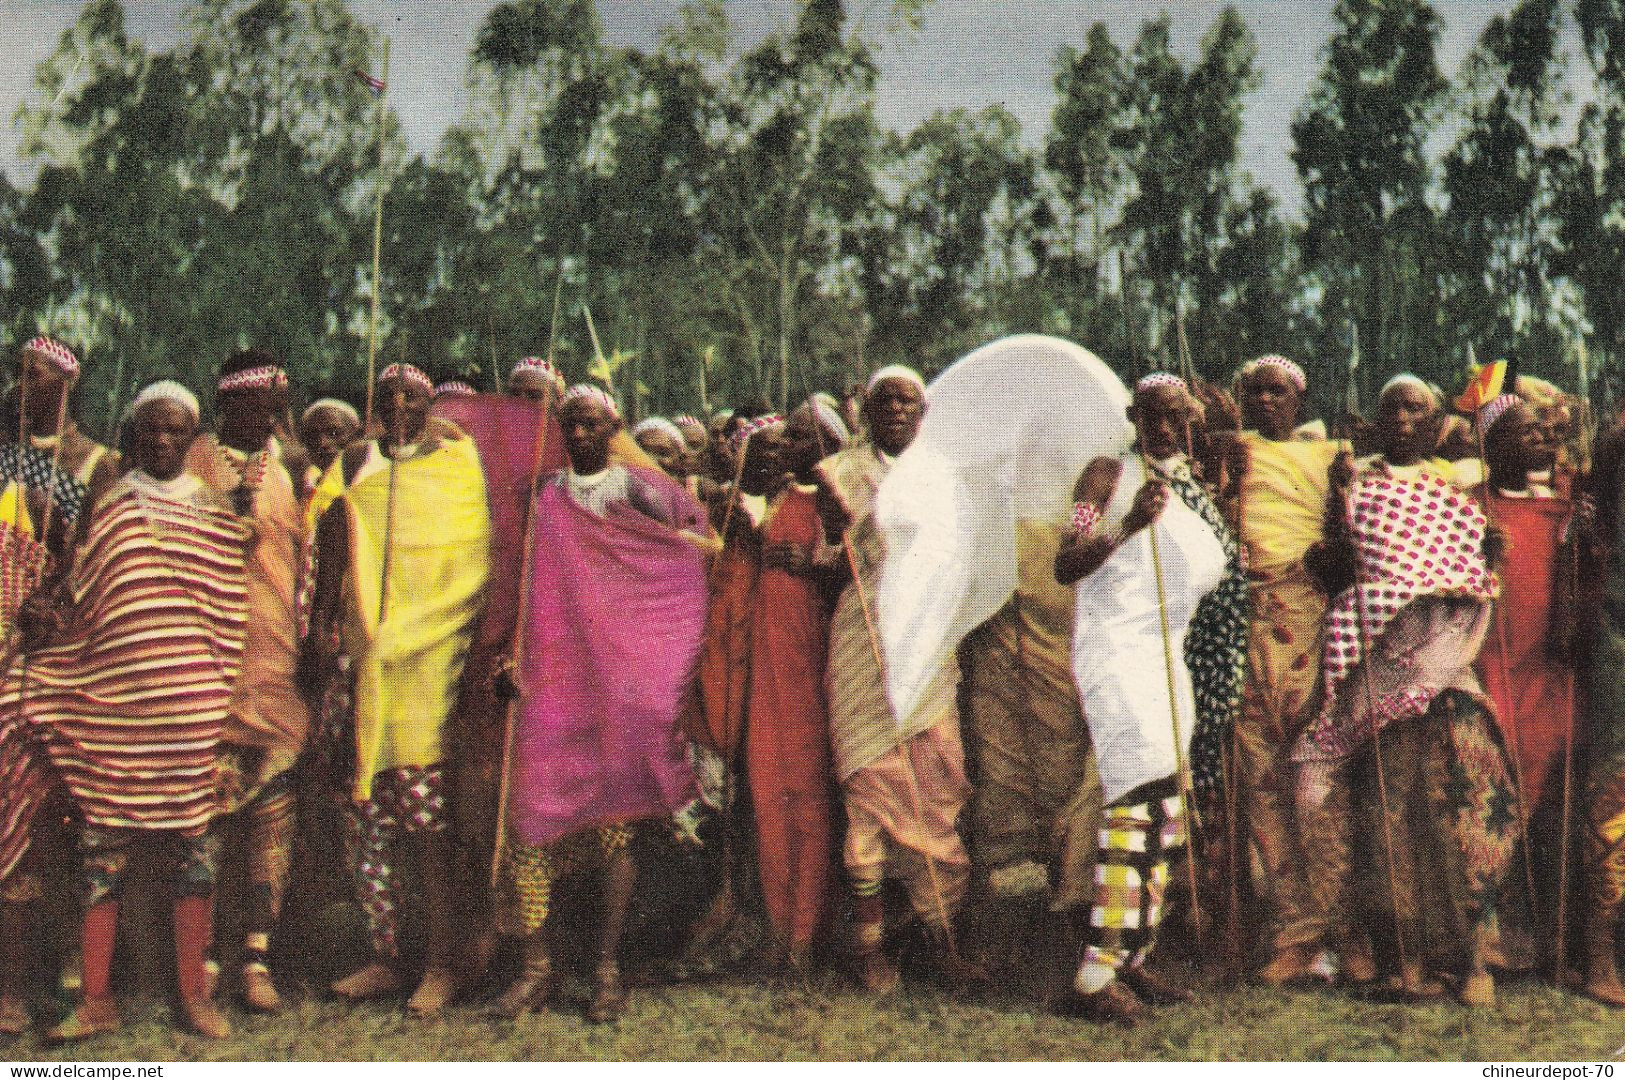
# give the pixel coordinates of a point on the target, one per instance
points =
(1359, 143)
(1502, 238)
(933, 255)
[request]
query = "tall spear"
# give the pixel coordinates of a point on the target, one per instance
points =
(521, 620)
(378, 85)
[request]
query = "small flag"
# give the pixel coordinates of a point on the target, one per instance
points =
(1483, 387)
(376, 84)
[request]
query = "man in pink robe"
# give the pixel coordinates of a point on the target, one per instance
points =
(607, 645)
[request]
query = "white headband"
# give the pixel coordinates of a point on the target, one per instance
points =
(1405, 378)
(343, 407)
(829, 415)
(1160, 378)
(166, 390)
(658, 423)
(895, 371)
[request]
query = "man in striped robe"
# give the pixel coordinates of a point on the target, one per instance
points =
(42, 492)
(128, 690)
(269, 721)
(902, 778)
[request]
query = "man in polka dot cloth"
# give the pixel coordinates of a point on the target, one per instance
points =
(1405, 728)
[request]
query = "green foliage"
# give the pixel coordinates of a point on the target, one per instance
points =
(747, 207)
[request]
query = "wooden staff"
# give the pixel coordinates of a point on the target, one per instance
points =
(377, 247)
(526, 560)
(1505, 665)
(1181, 766)
(1568, 630)
(902, 745)
(1363, 639)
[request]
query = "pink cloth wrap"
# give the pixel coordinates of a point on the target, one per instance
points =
(616, 613)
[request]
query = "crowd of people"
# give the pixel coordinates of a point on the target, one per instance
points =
(1348, 705)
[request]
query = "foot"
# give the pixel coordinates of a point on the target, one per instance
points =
(258, 991)
(1153, 988)
(14, 1018)
(1478, 990)
(376, 980)
(877, 974)
(89, 1019)
(1606, 989)
(203, 1017)
(1292, 964)
(434, 993)
(1413, 983)
(958, 970)
(1359, 966)
(609, 1000)
(529, 993)
(1113, 1003)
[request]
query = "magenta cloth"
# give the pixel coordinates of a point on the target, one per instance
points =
(617, 610)
(505, 430)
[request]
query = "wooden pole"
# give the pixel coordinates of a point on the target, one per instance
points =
(520, 618)
(1181, 765)
(377, 246)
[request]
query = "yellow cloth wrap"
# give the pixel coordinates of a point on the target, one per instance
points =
(407, 669)
(14, 510)
(1283, 499)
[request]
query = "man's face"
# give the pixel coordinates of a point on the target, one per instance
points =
(695, 436)
(763, 460)
(668, 453)
(805, 442)
(894, 410)
(1407, 423)
(588, 426)
(1269, 401)
(1520, 442)
(531, 386)
(1162, 418)
(163, 432)
(43, 384)
(403, 408)
(249, 417)
(325, 433)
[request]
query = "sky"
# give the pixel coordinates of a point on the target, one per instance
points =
(969, 53)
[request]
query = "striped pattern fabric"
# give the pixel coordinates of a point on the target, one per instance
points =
(130, 707)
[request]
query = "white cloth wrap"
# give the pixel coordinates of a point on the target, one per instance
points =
(1008, 429)
(1118, 655)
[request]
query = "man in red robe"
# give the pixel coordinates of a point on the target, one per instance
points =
(787, 752)
(1522, 665)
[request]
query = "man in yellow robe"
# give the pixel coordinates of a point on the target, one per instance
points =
(1282, 509)
(402, 563)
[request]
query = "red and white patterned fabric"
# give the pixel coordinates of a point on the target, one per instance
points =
(54, 351)
(410, 374)
(454, 387)
(1412, 538)
(264, 377)
(1085, 519)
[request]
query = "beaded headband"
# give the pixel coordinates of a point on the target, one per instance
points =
(54, 351)
(264, 377)
(410, 374)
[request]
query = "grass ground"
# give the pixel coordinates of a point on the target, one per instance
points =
(822, 1017)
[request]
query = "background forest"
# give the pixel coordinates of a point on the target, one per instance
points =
(738, 224)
